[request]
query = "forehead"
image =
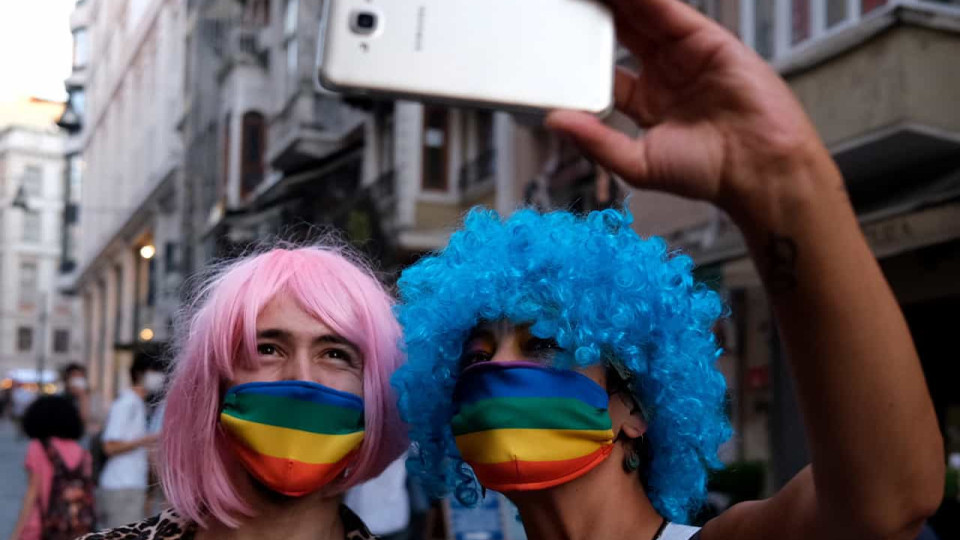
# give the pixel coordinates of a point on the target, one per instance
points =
(498, 327)
(284, 312)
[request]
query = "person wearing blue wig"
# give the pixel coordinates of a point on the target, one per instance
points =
(570, 364)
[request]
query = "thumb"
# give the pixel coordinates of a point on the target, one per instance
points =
(609, 148)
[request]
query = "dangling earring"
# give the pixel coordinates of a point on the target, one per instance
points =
(631, 462)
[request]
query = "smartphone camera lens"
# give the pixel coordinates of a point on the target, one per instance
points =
(364, 22)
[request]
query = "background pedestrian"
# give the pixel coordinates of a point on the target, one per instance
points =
(58, 503)
(123, 481)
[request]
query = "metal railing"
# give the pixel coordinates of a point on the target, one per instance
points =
(778, 28)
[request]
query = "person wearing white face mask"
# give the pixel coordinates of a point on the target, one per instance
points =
(123, 482)
(76, 389)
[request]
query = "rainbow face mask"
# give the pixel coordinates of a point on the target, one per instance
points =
(522, 426)
(293, 436)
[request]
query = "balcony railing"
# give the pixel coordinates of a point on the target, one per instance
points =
(479, 171)
(778, 28)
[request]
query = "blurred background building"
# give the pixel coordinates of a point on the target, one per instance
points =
(197, 131)
(37, 322)
(124, 157)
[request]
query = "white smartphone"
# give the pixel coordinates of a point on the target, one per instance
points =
(518, 55)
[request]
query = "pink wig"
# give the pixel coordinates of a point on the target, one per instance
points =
(220, 335)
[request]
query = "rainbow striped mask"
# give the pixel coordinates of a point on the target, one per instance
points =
(293, 436)
(524, 426)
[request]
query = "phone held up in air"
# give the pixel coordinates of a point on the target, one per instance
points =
(525, 56)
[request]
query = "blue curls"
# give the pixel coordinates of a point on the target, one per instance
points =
(606, 296)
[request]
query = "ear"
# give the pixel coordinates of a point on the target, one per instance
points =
(633, 426)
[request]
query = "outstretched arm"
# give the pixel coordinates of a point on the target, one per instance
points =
(723, 127)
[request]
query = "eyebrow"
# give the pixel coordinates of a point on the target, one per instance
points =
(479, 333)
(333, 339)
(276, 333)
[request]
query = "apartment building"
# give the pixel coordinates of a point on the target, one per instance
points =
(37, 323)
(268, 155)
(123, 216)
(271, 155)
(879, 79)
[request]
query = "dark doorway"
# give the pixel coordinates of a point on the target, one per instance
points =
(933, 325)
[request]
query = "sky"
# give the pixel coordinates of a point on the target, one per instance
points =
(36, 48)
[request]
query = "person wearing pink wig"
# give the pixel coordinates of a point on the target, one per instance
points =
(279, 401)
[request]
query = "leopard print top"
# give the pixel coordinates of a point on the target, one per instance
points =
(169, 526)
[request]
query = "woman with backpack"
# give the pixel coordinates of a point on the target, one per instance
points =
(58, 504)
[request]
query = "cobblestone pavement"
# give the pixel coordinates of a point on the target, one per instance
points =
(13, 479)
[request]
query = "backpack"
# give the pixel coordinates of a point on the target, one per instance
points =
(70, 510)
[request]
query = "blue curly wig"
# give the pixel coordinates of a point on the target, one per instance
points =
(606, 296)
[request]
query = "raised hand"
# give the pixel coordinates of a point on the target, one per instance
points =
(722, 126)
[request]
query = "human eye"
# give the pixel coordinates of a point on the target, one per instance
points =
(267, 349)
(341, 355)
(475, 356)
(338, 354)
(542, 347)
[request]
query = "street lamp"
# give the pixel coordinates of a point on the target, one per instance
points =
(146, 334)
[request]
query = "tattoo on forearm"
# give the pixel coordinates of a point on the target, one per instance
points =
(781, 264)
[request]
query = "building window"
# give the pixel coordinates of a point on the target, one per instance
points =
(188, 65)
(763, 28)
(33, 180)
(836, 12)
(290, 46)
(78, 101)
(800, 21)
(436, 121)
(118, 301)
(259, 13)
(61, 341)
(387, 143)
(225, 151)
(867, 6)
(484, 131)
(24, 339)
(290, 14)
(74, 178)
(775, 28)
(254, 146)
(171, 258)
(29, 279)
(32, 228)
(81, 48)
(293, 54)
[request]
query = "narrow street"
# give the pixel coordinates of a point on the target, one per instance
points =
(12, 477)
